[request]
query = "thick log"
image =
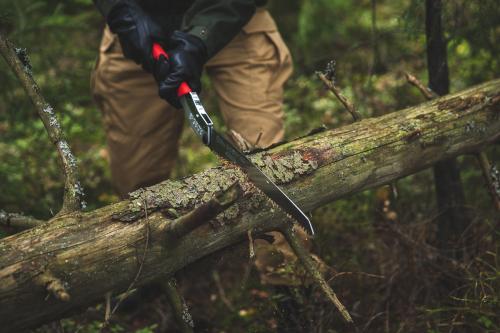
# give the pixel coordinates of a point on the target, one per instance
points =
(81, 256)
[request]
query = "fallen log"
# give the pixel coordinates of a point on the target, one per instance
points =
(71, 262)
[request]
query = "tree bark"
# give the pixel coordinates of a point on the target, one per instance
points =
(71, 262)
(453, 219)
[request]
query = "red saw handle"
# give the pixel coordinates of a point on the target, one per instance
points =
(158, 51)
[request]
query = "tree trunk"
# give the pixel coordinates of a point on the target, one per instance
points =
(450, 196)
(69, 263)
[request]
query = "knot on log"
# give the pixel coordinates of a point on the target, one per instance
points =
(53, 285)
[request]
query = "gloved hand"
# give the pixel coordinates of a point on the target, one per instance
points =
(136, 30)
(187, 55)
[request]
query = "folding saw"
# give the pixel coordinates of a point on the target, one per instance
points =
(202, 125)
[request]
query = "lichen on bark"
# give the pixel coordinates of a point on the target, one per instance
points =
(178, 195)
(284, 168)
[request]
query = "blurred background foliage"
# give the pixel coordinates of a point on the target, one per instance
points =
(379, 247)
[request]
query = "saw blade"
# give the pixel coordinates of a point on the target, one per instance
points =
(202, 125)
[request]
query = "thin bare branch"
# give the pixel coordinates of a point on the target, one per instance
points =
(18, 61)
(107, 308)
(257, 141)
(313, 271)
(251, 249)
(338, 93)
(179, 307)
(426, 91)
(221, 291)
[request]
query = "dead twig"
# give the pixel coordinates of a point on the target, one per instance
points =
(179, 307)
(107, 310)
(426, 91)
(341, 274)
(251, 249)
(257, 141)
(327, 78)
(222, 292)
(18, 61)
(490, 173)
(251, 260)
(313, 271)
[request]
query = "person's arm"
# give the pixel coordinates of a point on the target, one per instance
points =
(216, 23)
(207, 27)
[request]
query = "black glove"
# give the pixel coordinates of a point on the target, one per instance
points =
(187, 55)
(136, 30)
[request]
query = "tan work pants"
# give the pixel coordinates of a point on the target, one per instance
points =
(143, 130)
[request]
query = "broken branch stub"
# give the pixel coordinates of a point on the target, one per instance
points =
(18, 221)
(328, 82)
(312, 268)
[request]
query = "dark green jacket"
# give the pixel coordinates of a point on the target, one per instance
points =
(216, 22)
